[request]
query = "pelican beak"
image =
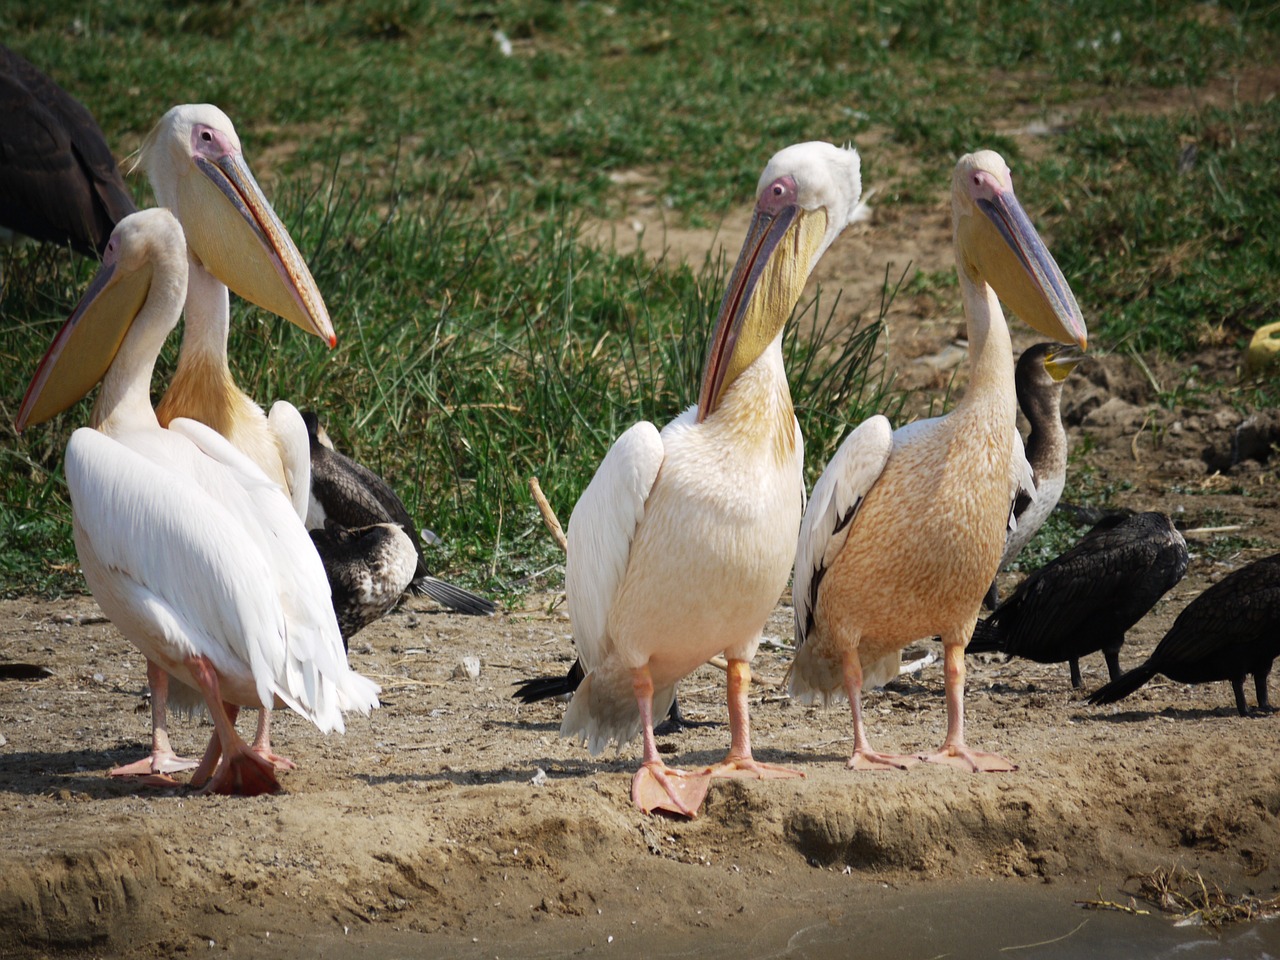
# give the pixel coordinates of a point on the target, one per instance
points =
(235, 234)
(87, 344)
(747, 324)
(1060, 361)
(1010, 255)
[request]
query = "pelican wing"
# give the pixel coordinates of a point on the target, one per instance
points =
(316, 671)
(175, 557)
(603, 524)
(833, 504)
(290, 433)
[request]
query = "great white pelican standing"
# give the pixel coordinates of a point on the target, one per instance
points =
(197, 169)
(681, 544)
(904, 530)
(193, 553)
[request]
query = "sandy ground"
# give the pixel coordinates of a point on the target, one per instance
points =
(455, 812)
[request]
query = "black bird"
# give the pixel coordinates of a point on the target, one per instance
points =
(351, 495)
(58, 180)
(1086, 599)
(368, 569)
(534, 689)
(1229, 631)
(1038, 379)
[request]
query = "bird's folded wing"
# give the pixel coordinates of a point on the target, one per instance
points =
(833, 504)
(601, 529)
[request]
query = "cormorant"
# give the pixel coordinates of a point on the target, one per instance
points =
(1038, 379)
(351, 495)
(1086, 599)
(1229, 631)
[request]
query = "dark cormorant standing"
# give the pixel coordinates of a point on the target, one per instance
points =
(1038, 379)
(351, 495)
(1087, 598)
(1229, 631)
(59, 182)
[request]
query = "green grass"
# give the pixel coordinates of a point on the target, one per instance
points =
(479, 349)
(436, 188)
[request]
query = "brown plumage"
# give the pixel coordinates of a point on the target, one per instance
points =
(904, 530)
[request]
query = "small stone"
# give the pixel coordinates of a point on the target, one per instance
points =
(539, 777)
(468, 669)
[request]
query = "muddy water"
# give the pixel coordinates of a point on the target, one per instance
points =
(971, 919)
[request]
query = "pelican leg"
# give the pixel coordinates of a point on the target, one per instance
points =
(154, 769)
(955, 752)
(262, 743)
(738, 762)
(213, 751)
(655, 785)
(240, 770)
(864, 758)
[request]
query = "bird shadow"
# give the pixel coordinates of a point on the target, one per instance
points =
(38, 773)
(1169, 713)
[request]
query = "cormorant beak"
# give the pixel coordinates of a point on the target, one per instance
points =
(237, 236)
(1060, 361)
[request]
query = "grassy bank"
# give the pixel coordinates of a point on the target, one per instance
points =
(435, 162)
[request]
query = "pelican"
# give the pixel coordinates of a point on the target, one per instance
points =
(1228, 632)
(679, 547)
(1088, 598)
(904, 530)
(195, 555)
(1038, 379)
(197, 169)
(58, 180)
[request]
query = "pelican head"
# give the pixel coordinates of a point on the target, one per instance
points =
(807, 194)
(997, 245)
(197, 169)
(88, 342)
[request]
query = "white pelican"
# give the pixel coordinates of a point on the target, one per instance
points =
(197, 169)
(680, 545)
(195, 555)
(58, 180)
(904, 530)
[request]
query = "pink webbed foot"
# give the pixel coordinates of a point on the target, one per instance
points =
(277, 761)
(243, 773)
(659, 787)
(973, 761)
(870, 760)
(749, 768)
(153, 770)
